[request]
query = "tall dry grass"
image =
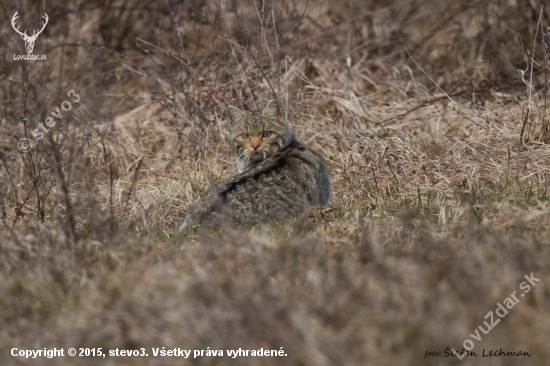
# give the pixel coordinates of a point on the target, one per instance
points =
(437, 146)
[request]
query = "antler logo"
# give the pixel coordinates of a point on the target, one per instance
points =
(29, 41)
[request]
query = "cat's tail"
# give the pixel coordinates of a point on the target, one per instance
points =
(204, 212)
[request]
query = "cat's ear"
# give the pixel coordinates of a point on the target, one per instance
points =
(235, 115)
(272, 110)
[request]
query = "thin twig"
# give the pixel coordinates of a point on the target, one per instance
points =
(453, 103)
(529, 89)
(134, 182)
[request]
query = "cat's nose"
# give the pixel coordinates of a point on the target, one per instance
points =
(255, 146)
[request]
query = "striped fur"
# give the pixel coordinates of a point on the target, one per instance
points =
(284, 179)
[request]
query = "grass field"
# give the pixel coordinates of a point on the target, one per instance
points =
(432, 116)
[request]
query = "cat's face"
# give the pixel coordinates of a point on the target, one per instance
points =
(257, 135)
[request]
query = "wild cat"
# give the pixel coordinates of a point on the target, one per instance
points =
(280, 176)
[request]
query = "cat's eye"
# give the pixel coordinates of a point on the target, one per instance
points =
(245, 136)
(267, 133)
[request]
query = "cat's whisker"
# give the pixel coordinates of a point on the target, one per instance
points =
(241, 165)
(242, 161)
(240, 156)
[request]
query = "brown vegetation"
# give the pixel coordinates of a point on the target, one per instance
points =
(437, 145)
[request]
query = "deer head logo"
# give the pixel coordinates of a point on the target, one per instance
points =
(29, 41)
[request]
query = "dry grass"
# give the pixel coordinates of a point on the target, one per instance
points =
(437, 146)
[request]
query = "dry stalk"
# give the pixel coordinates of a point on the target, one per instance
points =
(58, 165)
(453, 104)
(241, 70)
(544, 47)
(134, 182)
(529, 85)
